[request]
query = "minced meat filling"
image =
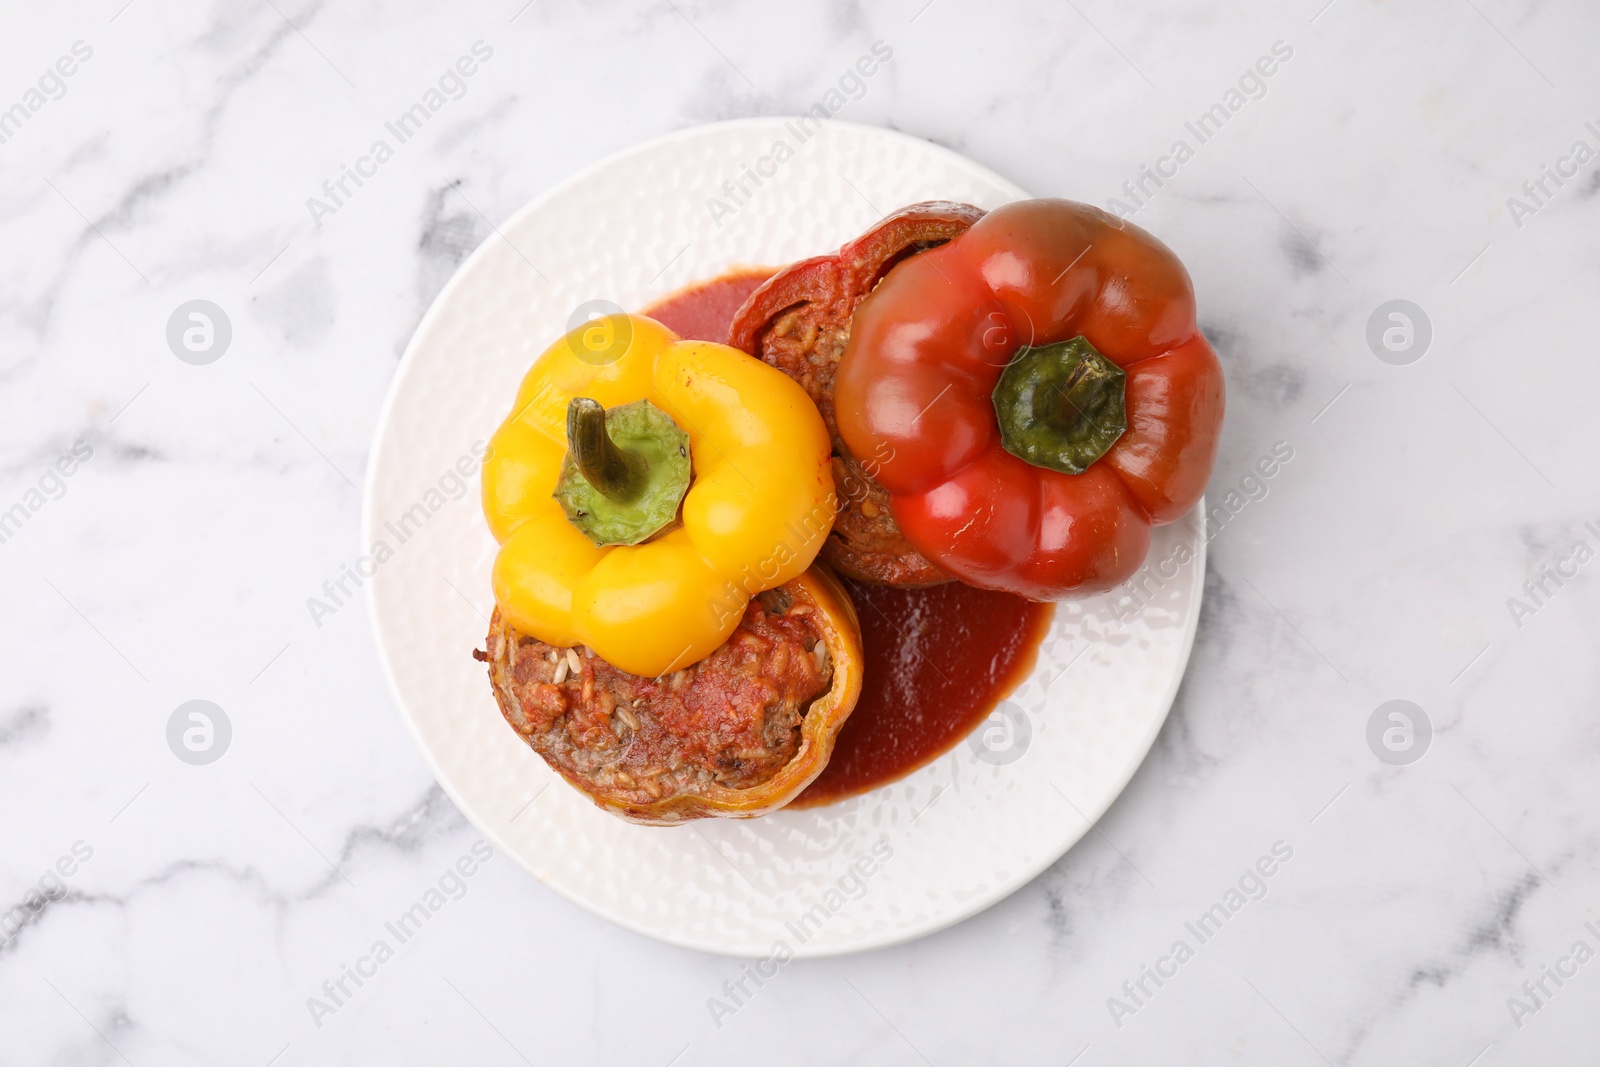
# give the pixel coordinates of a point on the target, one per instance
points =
(733, 719)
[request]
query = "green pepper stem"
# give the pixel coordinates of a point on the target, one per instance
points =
(604, 465)
(625, 472)
(1060, 406)
(1073, 379)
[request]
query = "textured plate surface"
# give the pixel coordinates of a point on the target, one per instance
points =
(899, 862)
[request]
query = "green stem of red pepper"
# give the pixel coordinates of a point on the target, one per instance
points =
(1060, 406)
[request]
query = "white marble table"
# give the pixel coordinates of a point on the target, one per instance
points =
(1416, 152)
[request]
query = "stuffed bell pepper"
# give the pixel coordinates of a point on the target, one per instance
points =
(1015, 398)
(1041, 396)
(661, 636)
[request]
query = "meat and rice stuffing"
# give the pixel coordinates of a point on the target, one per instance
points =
(731, 721)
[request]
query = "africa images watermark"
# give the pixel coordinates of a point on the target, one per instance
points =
(1399, 732)
(1541, 189)
(1558, 974)
(1552, 576)
(450, 886)
(1252, 886)
(51, 485)
(850, 886)
(51, 886)
(199, 732)
(1252, 85)
(450, 486)
(736, 592)
(451, 85)
(851, 85)
(1003, 737)
(1156, 575)
(51, 85)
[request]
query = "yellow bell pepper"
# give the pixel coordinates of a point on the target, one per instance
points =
(757, 510)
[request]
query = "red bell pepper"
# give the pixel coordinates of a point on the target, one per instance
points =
(1043, 394)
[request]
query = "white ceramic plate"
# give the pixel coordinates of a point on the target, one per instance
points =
(894, 864)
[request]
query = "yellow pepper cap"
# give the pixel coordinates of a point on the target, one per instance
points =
(759, 507)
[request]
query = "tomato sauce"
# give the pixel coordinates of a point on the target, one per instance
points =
(938, 660)
(703, 311)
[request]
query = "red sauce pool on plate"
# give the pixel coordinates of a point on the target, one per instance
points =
(937, 660)
(704, 311)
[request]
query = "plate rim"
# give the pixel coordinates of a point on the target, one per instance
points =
(402, 372)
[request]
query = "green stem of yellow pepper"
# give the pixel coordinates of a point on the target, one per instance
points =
(625, 473)
(604, 465)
